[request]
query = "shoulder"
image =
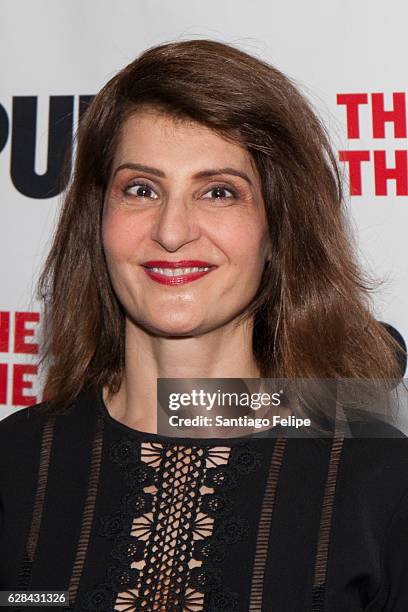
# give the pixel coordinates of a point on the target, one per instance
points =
(23, 432)
(377, 457)
(22, 423)
(20, 444)
(376, 451)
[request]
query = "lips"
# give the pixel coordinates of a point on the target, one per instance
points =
(177, 272)
(185, 263)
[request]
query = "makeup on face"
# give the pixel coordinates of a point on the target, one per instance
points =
(184, 226)
(177, 272)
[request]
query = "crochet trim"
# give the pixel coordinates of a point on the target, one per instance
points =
(264, 527)
(326, 519)
(175, 524)
(88, 513)
(43, 469)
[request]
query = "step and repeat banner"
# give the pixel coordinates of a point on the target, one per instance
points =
(348, 58)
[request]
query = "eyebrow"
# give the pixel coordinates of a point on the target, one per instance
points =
(202, 174)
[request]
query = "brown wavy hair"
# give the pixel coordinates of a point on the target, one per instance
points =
(312, 312)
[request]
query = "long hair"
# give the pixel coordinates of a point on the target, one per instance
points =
(312, 312)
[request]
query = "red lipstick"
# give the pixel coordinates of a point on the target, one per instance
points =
(159, 270)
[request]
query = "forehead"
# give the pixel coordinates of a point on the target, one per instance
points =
(153, 137)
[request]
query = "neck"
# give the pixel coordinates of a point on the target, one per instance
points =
(222, 353)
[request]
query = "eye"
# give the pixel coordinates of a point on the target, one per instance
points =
(141, 190)
(220, 192)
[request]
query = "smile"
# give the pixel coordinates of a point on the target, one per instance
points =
(177, 275)
(177, 271)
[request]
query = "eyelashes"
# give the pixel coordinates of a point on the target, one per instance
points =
(143, 190)
(223, 188)
(144, 187)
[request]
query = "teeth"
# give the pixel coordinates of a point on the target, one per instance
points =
(177, 271)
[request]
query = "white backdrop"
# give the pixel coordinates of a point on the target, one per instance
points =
(59, 51)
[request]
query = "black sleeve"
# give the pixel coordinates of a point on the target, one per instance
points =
(20, 437)
(395, 559)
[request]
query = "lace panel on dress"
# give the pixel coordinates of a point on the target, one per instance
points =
(176, 522)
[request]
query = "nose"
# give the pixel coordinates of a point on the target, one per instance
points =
(176, 224)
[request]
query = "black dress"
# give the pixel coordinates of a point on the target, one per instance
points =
(125, 520)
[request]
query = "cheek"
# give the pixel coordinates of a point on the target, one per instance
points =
(119, 238)
(247, 247)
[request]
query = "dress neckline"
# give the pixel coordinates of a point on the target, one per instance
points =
(155, 437)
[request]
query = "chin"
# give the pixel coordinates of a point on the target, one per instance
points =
(169, 326)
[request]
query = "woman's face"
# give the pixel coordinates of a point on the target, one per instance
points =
(181, 193)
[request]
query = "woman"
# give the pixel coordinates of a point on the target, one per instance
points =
(203, 236)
